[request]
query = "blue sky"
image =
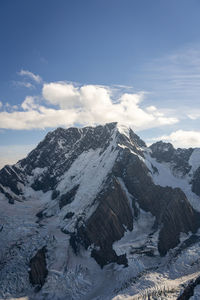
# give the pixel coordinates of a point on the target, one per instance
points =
(66, 63)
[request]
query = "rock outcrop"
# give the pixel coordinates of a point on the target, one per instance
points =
(106, 225)
(178, 158)
(38, 268)
(196, 182)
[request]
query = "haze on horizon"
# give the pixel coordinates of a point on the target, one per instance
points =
(90, 62)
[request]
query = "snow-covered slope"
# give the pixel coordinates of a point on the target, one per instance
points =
(93, 213)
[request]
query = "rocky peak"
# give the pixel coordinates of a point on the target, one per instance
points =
(102, 193)
(56, 153)
(162, 151)
(177, 158)
(58, 145)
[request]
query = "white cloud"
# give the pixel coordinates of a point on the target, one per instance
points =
(29, 103)
(24, 84)
(32, 119)
(151, 108)
(31, 75)
(94, 104)
(1, 104)
(181, 138)
(194, 114)
(62, 94)
(85, 105)
(8, 107)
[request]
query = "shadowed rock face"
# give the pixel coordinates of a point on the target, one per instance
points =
(188, 292)
(10, 178)
(107, 224)
(196, 182)
(178, 158)
(163, 151)
(38, 270)
(68, 197)
(173, 212)
(178, 217)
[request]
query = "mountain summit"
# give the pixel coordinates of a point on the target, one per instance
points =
(87, 199)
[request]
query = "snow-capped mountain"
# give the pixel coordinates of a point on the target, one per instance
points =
(95, 206)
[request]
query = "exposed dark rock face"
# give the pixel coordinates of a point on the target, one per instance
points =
(178, 160)
(196, 182)
(10, 179)
(135, 139)
(38, 269)
(108, 255)
(170, 206)
(178, 217)
(11, 200)
(55, 194)
(40, 215)
(68, 197)
(69, 215)
(134, 143)
(189, 290)
(107, 225)
(165, 152)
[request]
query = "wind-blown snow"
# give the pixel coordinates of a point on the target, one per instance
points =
(123, 129)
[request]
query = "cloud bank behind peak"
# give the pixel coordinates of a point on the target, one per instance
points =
(67, 104)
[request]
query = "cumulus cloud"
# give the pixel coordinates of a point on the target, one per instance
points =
(32, 119)
(182, 138)
(66, 104)
(62, 94)
(29, 103)
(1, 104)
(94, 104)
(31, 75)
